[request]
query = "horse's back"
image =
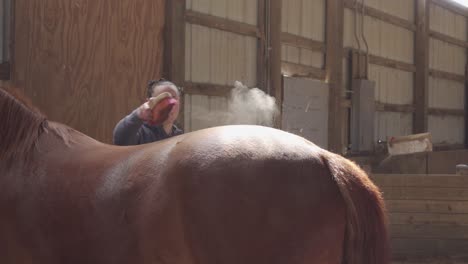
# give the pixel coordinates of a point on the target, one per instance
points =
(255, 195)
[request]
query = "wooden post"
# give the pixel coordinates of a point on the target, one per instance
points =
(262, 76)
(421, 60)
(174, 47)
(269, 52)
(466, 98)
(334, 70)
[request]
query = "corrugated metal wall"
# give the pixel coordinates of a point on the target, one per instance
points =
(445, 93)
(304, 18)
(219, 57)
(214, 56)
(393, 86)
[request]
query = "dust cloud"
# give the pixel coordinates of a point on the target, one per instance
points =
(247, 106)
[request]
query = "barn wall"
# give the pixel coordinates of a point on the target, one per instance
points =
(391, 39)
(304, 18)
(445, 93)
(428, 215)
(388, 41)
(87, 63)
(217, 57)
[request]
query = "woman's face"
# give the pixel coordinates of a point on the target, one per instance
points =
(175, 94)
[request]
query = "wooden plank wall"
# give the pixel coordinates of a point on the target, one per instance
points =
(87, 63)
(447, 59)
(217, 56)
(428, 216)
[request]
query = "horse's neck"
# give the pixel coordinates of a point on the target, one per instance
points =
(20, 127)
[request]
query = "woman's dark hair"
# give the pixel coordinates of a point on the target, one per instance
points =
(154, 83)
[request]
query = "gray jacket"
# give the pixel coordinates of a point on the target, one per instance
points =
(132, 131)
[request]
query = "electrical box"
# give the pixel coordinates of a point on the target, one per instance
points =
(362, 115)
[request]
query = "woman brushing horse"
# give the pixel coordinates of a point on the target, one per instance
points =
(234, 194)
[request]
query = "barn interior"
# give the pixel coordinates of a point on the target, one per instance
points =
(383, 83)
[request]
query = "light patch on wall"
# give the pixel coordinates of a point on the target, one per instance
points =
(461, 2)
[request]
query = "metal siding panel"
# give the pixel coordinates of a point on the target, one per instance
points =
(446, 57)
(200, 54)
(236, 10)
(400, 8)
(384, 39)
(438, 125)
(218, 56)
(292, 54)
(373, 35)
(447, 22)
(446, 94)
(396, 43)
(219, 8)
(251, 61)
(202, 6)
(392, 86)
(218, 108)
(294, 17)
(200, 112)
(319, 20)
(307, 19)
(250, 9)
(236, 59)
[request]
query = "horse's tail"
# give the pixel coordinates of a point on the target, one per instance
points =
(366, 238)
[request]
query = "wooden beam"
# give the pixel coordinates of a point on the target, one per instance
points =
(448, 39)
(220, 23)
(375, 13)
(302, 42)
(207, 89)
(262, 65)
(447, 76)
(389, 63)
(276, 79)
(446, 112)
(5, 71)
(466, 98)
(11, 42)
(381, 61)
(174, 47)
(294, 69)
(421, 80)
(334, 73)
(452, 6)
(384, 107)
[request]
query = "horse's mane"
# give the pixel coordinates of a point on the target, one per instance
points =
(21, 124)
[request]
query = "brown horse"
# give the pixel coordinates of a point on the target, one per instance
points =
(234, 194)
